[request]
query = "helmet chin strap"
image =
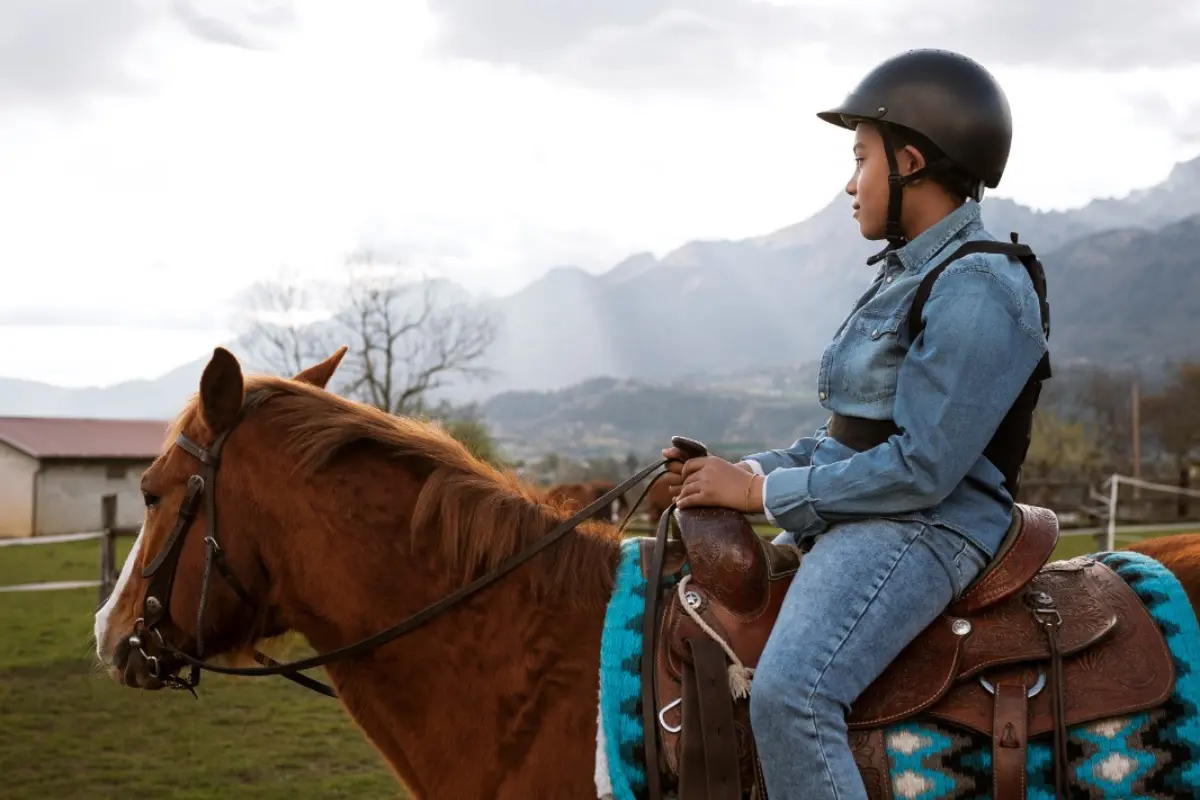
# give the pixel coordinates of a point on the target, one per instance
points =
(896, 183)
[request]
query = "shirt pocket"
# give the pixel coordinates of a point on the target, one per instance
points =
(869, 358)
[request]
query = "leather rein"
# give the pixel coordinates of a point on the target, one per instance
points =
(202, 485)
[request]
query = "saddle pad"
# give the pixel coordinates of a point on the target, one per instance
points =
(1148, 754)
(1153, 753)
(620, 757)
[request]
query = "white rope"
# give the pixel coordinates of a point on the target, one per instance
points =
(739, 675)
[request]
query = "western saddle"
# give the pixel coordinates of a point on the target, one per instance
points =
(1029, 649)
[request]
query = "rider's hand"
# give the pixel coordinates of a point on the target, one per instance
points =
(675, 462)
(712, 481)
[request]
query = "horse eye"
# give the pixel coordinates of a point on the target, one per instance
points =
(151, 500)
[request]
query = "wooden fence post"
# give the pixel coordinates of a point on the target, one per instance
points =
(108, 545)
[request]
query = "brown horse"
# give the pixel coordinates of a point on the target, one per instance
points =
(660, 495)
(574, 496)
(336, 521)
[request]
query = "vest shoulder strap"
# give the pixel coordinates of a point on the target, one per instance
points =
(1013, 249)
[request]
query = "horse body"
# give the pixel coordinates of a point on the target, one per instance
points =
(497, 698)
(339, 520)
(501, 684)
(660, 496)
(1180, 554)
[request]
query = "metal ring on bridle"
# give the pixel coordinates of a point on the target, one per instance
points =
(151, 666)
(1038, 685)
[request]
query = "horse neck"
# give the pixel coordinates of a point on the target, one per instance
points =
(497, 695)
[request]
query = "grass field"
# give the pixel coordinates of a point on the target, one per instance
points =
(69, 732)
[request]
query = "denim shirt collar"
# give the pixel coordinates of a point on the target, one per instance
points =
(920, 251)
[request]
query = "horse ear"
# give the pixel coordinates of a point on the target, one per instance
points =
(319, 374)
(222, 391)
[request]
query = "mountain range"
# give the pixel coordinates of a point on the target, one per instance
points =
(1123, 265)
(1124, 288)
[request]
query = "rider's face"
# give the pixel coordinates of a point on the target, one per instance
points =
(869, 183)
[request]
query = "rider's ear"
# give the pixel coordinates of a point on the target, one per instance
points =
(319, 374)
(221, 391)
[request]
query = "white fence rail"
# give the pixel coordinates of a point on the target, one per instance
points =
(49, 586)
(60, 539)
(107, 535)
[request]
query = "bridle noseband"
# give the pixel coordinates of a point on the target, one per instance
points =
(161, 571)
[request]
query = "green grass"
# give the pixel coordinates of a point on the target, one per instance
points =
(69, 732)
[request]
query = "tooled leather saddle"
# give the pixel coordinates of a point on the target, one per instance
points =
(1029, 649)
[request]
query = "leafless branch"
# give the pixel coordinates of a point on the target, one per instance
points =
(280, 333)
(408, 342)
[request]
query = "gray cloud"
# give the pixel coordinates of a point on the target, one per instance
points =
(246, 26)
(59, 47)
(630, 41)
(1186, 125)
(1183, 123)
(626, 43)
(54, 50)
(1072, 34)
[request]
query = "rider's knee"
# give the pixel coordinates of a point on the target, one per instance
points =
(774, 692)
(795, 688)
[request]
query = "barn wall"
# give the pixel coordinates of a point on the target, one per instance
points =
(69, 496)
(16, 492)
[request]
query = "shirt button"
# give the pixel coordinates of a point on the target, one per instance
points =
(822, 395)
(889, 279)
(875, 333)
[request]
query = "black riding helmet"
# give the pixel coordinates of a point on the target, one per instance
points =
(949, 102)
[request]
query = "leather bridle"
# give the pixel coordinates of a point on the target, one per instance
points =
(202, 485)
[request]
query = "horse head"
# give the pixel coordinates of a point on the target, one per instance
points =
(194, 581)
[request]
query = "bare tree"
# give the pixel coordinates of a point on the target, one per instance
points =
(407, 337)
(283, 333)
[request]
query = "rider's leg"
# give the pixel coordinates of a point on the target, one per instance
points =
(864, 591)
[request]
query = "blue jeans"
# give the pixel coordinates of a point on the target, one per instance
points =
(864, 591)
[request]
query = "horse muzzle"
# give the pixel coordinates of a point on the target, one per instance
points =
(137, 663)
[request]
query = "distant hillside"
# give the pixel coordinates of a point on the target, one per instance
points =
(1128, 295)
(611, 417)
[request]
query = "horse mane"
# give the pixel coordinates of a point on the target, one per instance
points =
(483, 515)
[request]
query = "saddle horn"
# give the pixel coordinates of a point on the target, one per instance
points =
(689, 447)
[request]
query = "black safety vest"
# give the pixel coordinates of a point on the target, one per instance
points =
(1010, 443)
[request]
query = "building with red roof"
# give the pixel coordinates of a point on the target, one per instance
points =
(53, 472)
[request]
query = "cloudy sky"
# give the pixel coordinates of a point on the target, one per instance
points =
(158, 155)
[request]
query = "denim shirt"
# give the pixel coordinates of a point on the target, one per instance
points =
(947, 391)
